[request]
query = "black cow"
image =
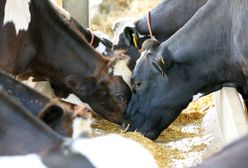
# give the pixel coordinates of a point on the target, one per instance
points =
(165, 19)
(209, 52)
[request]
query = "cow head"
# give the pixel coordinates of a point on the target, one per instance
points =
(106, 94)
(161, 90)
(127, 37)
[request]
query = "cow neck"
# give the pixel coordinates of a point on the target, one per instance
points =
(198, 59)
(62, 48)
(22, 133)
(167, 17)
(88, 33)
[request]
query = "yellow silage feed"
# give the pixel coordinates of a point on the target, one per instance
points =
(191, 115)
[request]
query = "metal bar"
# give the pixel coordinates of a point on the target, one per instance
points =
(79, 10)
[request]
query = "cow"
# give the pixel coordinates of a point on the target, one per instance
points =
(23, 134)
(101, 42)
(233, 155)
(206, 54)
(60, 116)
(37, 39)
(159, 23)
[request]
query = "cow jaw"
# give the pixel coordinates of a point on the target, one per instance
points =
(17, 12)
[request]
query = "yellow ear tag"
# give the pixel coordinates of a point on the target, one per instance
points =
(162, 61)
(135, 40)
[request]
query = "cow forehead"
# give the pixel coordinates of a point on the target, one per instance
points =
(17, 12)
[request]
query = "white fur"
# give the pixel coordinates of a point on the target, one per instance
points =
(73, 99)
(101, 48)
(112, 151)
(44, 88)
(25, 161)
(17, 12)
(81, 126)
(102, 35)
(121, 69)
(197, 96)
(61, 10)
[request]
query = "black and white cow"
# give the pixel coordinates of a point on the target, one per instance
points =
(39, 39)
(209, 52)
(163, 21)
(100, 41)
(38, 146)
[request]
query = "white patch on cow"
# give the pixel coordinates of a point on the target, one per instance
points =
(61, 10)
(113, 151)
(45, 88)
(81, 126)
(17, 12)
(197, 96)
(73, 99)
(102, 35)
(101, 48)
(121, 69)
(27, 161)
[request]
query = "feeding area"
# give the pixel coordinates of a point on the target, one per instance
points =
(182, 144)
(195, 135)
(93, 87)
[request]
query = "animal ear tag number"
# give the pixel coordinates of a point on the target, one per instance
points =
(135, 40)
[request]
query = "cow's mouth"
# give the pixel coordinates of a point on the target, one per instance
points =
(127, 126)
(151, 134)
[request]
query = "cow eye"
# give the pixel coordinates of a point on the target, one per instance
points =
(121, 98)
(136, 84)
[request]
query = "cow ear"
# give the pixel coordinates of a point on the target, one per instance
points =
(52, 114)
(131, 37)
(79, 84)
